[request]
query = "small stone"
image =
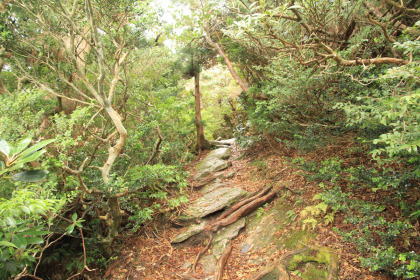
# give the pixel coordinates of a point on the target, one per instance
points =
(245, 248)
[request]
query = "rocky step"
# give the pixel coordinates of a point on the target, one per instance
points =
(211, 202)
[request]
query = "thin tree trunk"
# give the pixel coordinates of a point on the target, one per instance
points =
(114, 151)
(3, 89)
(202, 143)
(229, 65)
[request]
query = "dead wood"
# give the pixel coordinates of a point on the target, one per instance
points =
(222, 261)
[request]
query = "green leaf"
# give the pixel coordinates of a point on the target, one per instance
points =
(323, 206)
(4, 148)
(19, 241)
(30, 176)
(31, 157)
(34, 231)
(11, 221)
(7, 244)
(70, 229)
(21, 146)
(34, 240)
(25, 209)
(36, 147)
(74, 217)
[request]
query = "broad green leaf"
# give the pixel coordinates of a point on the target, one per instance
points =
(21, 146)
(4, 148)
(70, 229)
(74, 217)
(31, 157)
(35, 232)
(34, 240)
(30, 176)
(25, 209)
(19, 241)
(36, 147)
(11, 221)
(7, 244)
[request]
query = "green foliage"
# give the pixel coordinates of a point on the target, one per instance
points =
(22, 227)
(327, 170)
(161, 185)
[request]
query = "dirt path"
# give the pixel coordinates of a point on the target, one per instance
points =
(257, 245)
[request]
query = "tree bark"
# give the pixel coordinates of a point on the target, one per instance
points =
(244, 86)
(3, 89)
(202, 143)
(114, 151)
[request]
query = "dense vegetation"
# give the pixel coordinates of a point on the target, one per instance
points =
(98, 116)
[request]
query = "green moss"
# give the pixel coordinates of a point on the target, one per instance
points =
(318, 256)
(314, 273)
(292, 242)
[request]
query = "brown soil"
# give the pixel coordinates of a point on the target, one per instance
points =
(149, 255)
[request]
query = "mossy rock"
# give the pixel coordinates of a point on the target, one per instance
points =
(321, 255)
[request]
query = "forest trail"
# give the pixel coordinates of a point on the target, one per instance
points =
(244, 213)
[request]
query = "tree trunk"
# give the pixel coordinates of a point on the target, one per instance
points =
(229, 65)
(202, 143)
(114, 151)
(3, 89)
(113, 220)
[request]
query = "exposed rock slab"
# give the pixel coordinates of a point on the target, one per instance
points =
(221, 153)
(191, 231)
(216, 184)
(212, 202)
(265, 231)
(213, 162)
(227, 142)
(221, 240)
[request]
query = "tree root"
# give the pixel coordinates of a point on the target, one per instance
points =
(241, 211)
(222, 261)
(202, 252)
(237, 211)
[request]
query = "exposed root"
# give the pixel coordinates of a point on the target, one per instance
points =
(238, 205)
(222, 261)
(241, 212)
(202, 252)
(236, 212)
